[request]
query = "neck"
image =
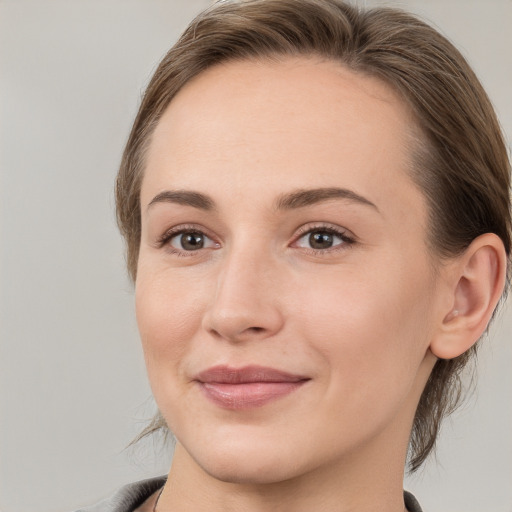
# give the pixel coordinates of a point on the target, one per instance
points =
(371, 482)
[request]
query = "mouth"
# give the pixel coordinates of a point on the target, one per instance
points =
(247, 387)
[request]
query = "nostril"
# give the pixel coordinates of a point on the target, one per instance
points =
(236, 321)
(238, 335)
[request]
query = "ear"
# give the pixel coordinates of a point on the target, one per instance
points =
(478, 278)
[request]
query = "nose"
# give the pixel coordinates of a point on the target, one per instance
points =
(246, 298)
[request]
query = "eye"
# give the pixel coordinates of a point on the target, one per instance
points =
(190, 241)
(323, 239)
(186, 240)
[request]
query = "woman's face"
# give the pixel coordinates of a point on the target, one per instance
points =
(285, 295)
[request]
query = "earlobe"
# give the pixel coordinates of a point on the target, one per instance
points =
(479, 278)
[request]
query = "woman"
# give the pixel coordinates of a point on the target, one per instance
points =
(315, 201)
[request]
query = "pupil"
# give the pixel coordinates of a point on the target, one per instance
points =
(192, 241)
(320, 240)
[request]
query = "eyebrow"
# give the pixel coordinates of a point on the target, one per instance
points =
(297, 199)
(307, 197)
(184, 197)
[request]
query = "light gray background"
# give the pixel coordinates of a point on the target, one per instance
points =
(73, 390)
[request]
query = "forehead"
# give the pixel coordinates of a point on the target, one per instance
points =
(278, 123)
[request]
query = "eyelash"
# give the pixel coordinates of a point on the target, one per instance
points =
(165, 239)
(346, 239)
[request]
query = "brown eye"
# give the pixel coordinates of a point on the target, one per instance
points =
(321, 240)
(324, 239)
(190, 241)
(183, 240)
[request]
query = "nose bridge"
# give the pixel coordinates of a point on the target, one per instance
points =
(243, 303)
(243, 272)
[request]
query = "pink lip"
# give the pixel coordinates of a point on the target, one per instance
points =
(243, 388)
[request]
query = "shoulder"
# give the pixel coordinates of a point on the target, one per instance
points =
(127, 498)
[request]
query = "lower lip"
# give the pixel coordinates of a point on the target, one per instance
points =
(247, 395)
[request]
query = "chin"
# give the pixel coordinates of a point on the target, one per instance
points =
(248, 471)
(247, 460)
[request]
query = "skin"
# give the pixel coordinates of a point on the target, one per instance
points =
(357, 319)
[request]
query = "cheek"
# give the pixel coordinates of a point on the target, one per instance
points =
(371, 328)
(169, 313)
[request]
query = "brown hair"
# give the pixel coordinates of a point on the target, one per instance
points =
(461, 163)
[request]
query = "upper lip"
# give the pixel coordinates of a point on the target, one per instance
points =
(229, 375)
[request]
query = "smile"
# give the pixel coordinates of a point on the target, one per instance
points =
(248, 387)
